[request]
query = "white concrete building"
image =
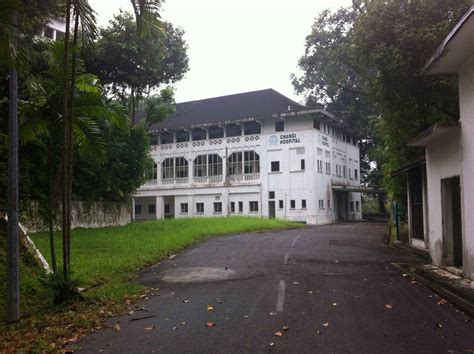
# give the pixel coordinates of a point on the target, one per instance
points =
(447, 182)
(55, 29)
(256, 153)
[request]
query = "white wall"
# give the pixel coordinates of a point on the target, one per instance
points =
(443, 160)
(466, 105)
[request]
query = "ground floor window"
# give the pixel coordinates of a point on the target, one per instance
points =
(292, 204)
(184, 208)
(357, 206)
(200, 208)
(275, 166)
(151, 209)
(241, 207)
(280, 204)
(321, 203)
(253, 206)
(303, 204)
(352, 205)
(138, 209)
(232, 207)
(167, 209)
(271, 195)
(217, 207)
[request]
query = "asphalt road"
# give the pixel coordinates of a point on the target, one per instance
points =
(334, 287)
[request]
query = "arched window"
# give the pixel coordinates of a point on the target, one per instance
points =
(167, 168)
(235, 163)
(251, 162)
(181, 170)
(214, 165)
(200, 166)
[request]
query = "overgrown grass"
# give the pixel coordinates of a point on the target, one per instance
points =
(106, 259)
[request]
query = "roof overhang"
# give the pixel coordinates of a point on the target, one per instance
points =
(456, 48)
(357, 189)
(435, 133)
(420, 161)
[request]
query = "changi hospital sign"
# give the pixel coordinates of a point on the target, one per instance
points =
(284, 139)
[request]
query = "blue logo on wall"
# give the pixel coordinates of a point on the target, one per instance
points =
(273, 140)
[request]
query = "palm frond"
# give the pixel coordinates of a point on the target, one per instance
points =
(87, 21)
(88, 138)
(8, 53)
(148, 16)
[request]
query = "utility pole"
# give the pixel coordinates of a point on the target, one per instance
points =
(13, 239)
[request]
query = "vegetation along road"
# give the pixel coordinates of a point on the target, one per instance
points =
(318, 289)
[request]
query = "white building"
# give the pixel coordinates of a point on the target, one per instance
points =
(55, 29)
(447, 188)
(256, 153)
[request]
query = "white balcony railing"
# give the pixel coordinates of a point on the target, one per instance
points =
(208, 179)
(248, 177)
(179, 180)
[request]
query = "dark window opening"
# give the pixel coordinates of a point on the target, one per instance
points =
(251, 128)
(292, 204)
(271, 195)
(216, 132)
(279, 126)
(233, 130)
(184, 208)
(302, 165)
(198, 134)
(182, 136)
(241, 207)
(303, 204)
(316, 124)
(138, 209)
(275, 166)
(253, 206)
(217, 207)
(151, 209)
(166, 138)
(280, 204)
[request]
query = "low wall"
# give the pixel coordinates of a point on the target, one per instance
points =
(84, 214)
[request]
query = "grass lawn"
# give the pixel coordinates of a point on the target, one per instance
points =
(106, 259)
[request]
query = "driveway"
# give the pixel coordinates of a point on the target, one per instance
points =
(324, 288)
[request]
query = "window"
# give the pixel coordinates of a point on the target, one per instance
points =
(49, 33)
(251, 128)
(329, 203)
(199, 208)
(151, 209)
(279, 126)
(60, 35)
(214, 165)
(232, 207)
(320, 166)
(321, 203)
(153, 139)
(153, 174)
(319, 151)
(292, 204)
(235, 164)
(200, 166)
(280, 204)
(215, 132)
(182, 136)
(167, 209)
(344, 171)
(138, 209)
(271, 195)
(167, 168)
(357, 206)
(356, 174)
(251, 162)
(217, 207)
(233, 130)
(316, 124)
(275, 166)
(184, 208)
(166, 138)
(181, 167)
(303, 204)
(241, 207)
(351, 206)
(302, 163)
(328, 168)
(198, 134)
(253, 207)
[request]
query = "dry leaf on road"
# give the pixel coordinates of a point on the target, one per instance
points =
(326, 324)
(210, 324)
(117, 327)
(388, 306)
(149, 328)
(285, 328)
(278, 334)
(210, 308)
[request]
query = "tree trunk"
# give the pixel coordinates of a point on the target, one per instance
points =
(70, 120)
(13, 244)
(66, 139)
(51, 198)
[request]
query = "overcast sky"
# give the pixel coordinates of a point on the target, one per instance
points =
(236, 45)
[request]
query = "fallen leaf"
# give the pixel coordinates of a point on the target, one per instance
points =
(175, 328)
(246, 316)
(310, 292)
(210, 324)
(131, 312)
(149, 328)
(442, 302)
(183, 323)
(404, 275)
(210, 308)
(296, 282)
(318, 332)
(172, 256)
(365, 279)
(388, 306)
(334, 304)
(439, 325)
(219, 301)
(117, 327)
(278, 334)
(326, 324)
(272, 313)
(285, 328)
(185, 301)
(272, 344)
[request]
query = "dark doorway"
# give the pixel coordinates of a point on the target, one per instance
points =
(415, 183)
(271, 209)
(452, 221)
